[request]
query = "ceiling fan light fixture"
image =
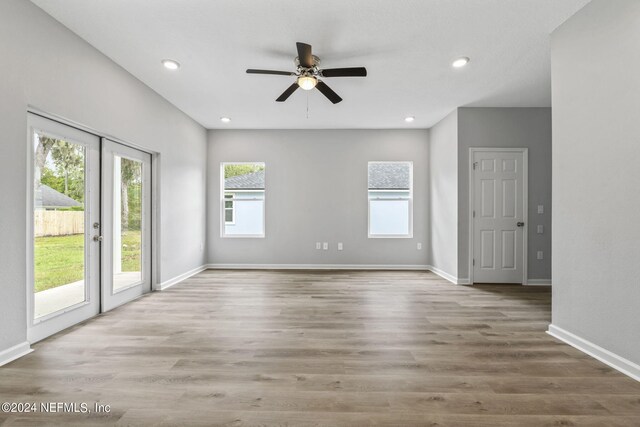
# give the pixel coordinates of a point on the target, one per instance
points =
(307, 82)
(409, 119)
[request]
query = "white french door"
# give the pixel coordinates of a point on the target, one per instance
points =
(126, 224)
(498, 187)
(90, 226)
(64, 273)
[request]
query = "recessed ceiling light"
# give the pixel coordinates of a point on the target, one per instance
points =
(225, 119)
(460, 62)
(409, 119)
(170, 64)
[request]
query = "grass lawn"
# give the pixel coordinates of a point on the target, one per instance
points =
(60, 260)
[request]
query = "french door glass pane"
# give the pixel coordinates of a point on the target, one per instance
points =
(127, 218)
(59, 224)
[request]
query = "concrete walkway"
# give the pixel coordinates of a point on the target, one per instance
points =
(55, 299)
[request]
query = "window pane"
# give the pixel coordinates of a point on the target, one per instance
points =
(389, 175)
(389, 217)
(59, 219)
(127, 221)
(245, 183)
(248, 218)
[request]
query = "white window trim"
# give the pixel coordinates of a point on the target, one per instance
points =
(222, 207)
(391, 236)
(232, 209)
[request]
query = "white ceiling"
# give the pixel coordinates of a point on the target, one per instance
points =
(407, 47)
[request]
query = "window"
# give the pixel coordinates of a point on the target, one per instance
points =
(243, 199)
(228, 209)
(390, 193)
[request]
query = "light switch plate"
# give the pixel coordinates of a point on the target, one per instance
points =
(325, 246)
(419, 246)
(540, 255)
(540, 229)
(540, 209)
(318, 245)
(340, 246)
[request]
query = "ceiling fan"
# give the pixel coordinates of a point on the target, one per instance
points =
(308, 74)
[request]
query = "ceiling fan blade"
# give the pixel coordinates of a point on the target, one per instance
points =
(304, 55)
(328, 92)
(287, 93)
(345, 72)
(278, 73)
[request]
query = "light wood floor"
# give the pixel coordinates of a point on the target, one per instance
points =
(323, 348)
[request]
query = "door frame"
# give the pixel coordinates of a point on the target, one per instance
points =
(525, 207)
(155, 203)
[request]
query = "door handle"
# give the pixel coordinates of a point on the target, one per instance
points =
(97, 238)
(520, 224)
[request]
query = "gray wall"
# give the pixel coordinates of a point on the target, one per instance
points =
(509, 127)
(48, 67)
(316, 191)
(596, 154)
(443, 208)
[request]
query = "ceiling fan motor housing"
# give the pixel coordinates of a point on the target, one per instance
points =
(316, 63)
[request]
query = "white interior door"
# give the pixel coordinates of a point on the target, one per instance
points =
(64, 258)
(498, 216)
(126, 198)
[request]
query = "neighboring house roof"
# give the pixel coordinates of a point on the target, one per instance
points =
(389, 176)
(250, 181)
(382, 176)
(47, 197)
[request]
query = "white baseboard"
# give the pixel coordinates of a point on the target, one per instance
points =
(399, 267)
(538, 282)
(168, 283)
(13, 353)
(450, 277)
(618, 363)
(316, 267)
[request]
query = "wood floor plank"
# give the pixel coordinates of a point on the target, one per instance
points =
(322, 348)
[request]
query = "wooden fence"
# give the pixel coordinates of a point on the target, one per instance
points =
(58, 223)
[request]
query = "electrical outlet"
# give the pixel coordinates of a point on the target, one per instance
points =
(325, 246)
(340, 246)
(318, 245)
(540, 209)
(540, 255)
(419, 246)
(540, 229)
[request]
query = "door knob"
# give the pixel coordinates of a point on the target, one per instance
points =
(520, 224)
(97, 238)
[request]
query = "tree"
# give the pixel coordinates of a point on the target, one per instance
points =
(69, 160)
(241, 169)
(49, 178)
(130, 174)
(45, 144)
